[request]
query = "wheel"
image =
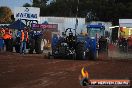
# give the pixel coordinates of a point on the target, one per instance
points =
(87, 54)
(74, 56)
(38, 46)
(92, 55)
(32, 46)
(49, 55)
(80, 50)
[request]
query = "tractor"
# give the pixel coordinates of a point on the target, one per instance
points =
(72, 46)
(78, 46)
(98, 33)
(63, 47)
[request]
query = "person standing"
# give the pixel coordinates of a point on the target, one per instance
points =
(8, 39)
(17, 41)
(23, 40)
(1, 39)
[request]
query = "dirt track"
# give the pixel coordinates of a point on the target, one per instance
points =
(35, 71)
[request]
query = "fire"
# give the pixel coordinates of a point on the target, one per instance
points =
(84, 73)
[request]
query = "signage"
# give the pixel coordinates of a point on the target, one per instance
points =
(125, 23)
(45, 26)
(29, 13)
(86, 81)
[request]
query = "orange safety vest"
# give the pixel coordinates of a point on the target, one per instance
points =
(7, 34)
(24, 36)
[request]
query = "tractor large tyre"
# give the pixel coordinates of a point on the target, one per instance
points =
(49, 55)
(74, 56)
(92, 55)
(38, 46)
(80, 51)
(32, 46)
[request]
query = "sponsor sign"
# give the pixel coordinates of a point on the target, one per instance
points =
(45, 26)
(29, 13)
(85, 80)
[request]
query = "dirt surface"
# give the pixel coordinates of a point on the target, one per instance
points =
(35, 71)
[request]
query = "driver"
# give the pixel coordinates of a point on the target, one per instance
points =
(71, 40)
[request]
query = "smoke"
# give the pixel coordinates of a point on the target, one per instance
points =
(115, 52)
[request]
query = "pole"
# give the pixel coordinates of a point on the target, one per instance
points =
(76, 18)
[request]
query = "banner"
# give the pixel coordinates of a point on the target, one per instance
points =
(29, 13)
(45, 26)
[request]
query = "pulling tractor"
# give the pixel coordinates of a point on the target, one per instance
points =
(71, 46)
(76, 46)
(63, 47)
(98, 33)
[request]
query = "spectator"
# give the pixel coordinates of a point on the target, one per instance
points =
(1, 44)
(8, 39)
(1, 39)
(17, 42)
(23, 40)
(103, 44)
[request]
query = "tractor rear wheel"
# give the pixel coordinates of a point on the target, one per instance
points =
(80, 51)
(38, 46)
(32, 46)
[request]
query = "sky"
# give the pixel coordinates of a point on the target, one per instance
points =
(14, 3)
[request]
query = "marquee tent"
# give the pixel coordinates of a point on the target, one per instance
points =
(17, 25)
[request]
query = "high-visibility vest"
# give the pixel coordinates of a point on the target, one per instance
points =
(7, 34)
(24, 36)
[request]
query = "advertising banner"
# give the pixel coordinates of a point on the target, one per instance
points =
(125, 22)
(45, 26)
(29, 13)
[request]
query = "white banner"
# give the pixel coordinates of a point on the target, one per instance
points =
(125, 22)
(29, 13)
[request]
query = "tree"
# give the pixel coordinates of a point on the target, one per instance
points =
(103, 10)
(40, 3)
(5, 15)
(66, 8)
(27, 5)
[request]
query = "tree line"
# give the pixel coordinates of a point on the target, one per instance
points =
(103, 10)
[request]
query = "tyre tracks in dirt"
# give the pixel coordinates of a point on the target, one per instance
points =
(52, 76)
